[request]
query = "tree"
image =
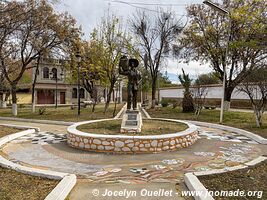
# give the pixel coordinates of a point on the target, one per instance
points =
(200, 90)
(207, 79)
(154, 37)
(255, 86)
(33, 30)
(206, 39)
(4, 90)
(91, 69)
(114, 42)
(187, 103)
(163, 81)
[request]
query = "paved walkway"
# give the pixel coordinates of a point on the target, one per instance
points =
(137, 173)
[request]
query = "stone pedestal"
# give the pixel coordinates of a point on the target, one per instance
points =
(131, 122)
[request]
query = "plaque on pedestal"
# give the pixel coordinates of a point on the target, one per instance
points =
(131, 122)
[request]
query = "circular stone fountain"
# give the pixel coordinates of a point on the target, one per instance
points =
(134, 143)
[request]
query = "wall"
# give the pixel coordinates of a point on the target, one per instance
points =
(131, 144)
(214, 92)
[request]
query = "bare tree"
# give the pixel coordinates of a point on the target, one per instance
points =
(199, 95)
(155, 35)
(3, 90)
(255, 86)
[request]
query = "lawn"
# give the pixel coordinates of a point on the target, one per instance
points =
(7, 130)
(150, 127)
(64, 113)
(15, 185)
(241, 120)
(249, 179)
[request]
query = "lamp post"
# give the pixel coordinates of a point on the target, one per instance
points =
(225, 12)
(119, 86)
(79, 58)
(54, 76)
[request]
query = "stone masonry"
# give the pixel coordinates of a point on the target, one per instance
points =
(134, 145)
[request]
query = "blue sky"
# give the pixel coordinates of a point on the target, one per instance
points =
(89, 13)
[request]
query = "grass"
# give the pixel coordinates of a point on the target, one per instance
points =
(15, 185)
(241, 120)
(4, 131)
(64, 113)
(249, 179)
(150, 127)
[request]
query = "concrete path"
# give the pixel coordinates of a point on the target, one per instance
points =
(132, 175)
(121, 191)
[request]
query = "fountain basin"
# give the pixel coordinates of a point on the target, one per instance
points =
(131, 144)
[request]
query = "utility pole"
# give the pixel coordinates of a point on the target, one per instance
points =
(79, 58)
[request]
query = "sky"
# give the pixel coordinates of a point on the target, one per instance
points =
(88, 14)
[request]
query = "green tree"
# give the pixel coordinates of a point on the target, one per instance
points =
(31, 30)
(91, 70)
(208, 79)
(205, 39)
(187, 103)
(114, 42)
(163, 81)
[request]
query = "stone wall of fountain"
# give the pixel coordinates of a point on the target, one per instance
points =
(131, 144)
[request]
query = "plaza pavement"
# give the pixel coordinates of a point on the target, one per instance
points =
(152, 172)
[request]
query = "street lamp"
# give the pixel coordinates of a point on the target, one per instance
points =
(216, 7)
(225, 12)
(79, 58)
(54, 76)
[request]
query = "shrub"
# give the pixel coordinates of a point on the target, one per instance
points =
(164, 103)
(42, 110)
(187, 103)
(175, 104)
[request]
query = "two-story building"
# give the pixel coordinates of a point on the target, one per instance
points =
(53, 84)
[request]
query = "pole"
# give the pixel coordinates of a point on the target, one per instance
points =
(120, 92)
(224, 68)
(56, 92)
(223, 94)
(78, 90)
(142, 97)
(228, 13)
(158, 87)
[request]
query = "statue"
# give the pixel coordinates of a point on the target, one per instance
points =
(128, 67)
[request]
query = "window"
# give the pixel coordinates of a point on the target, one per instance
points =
(74, 93)
(45, 72)
(54, 73)
(82, 93)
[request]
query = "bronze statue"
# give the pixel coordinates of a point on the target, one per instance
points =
(128, 67)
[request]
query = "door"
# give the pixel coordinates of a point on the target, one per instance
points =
(62, 98)
(45, 97)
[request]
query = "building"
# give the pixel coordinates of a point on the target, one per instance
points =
(53, 84)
